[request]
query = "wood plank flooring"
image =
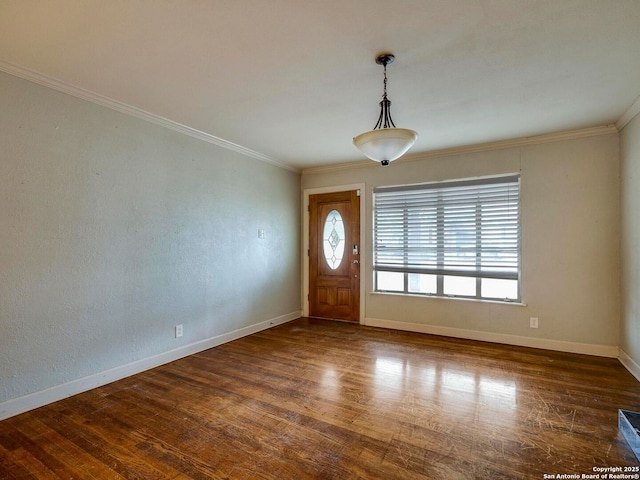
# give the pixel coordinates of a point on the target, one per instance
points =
(315, 399)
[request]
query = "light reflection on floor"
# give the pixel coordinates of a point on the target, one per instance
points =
(463, 392)
(432, 405)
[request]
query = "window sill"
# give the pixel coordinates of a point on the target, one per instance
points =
(434, 297)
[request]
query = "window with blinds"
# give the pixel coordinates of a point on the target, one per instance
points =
(451, 239)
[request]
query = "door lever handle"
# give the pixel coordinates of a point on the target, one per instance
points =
(356, 261)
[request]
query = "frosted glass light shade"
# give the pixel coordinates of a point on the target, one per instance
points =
(385, 144)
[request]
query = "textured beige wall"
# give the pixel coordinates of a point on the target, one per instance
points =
(113, 230)
(630, 175)
(570, 240)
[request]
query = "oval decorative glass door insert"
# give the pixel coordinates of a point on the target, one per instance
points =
(333, 239)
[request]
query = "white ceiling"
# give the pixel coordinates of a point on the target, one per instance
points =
(295, 80)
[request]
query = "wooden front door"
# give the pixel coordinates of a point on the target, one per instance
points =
(334, 255)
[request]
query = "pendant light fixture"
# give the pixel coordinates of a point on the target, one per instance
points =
(385, 142)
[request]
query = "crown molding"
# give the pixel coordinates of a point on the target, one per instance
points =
(629, 115)
(481, 147)
(79, 92)
(84, 94)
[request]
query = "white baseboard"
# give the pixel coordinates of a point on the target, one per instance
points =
(629, 364)
(23, 404)
(546, 344)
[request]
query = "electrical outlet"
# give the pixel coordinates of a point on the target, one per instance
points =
(178, 330)
(260, 233)
(533, 322)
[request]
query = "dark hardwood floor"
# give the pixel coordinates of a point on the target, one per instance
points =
(321, 400)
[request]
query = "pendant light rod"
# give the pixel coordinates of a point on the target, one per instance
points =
(385, 120)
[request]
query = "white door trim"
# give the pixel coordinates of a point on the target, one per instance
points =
(305, 242)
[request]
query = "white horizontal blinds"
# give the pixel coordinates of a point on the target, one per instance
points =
(464, 228)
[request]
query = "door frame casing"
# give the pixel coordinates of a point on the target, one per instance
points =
(305, 241)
